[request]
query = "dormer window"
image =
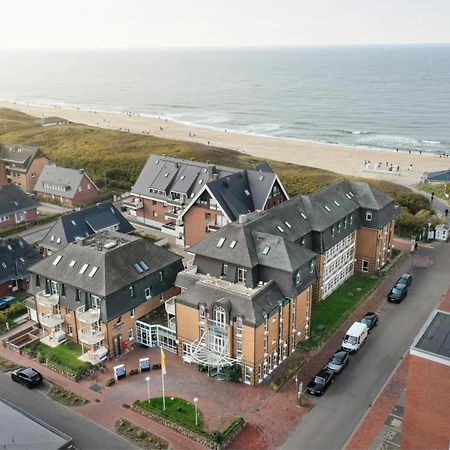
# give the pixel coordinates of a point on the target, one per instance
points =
(241, 275)
(369, 215)
(312, 266)
(220, 316)
(298, 277)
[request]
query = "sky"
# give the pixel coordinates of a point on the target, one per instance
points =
(60, 24)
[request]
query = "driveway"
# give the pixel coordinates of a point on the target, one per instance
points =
(331, 422)
(85, 434)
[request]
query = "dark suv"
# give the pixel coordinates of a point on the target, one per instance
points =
(320, 383)
(397, 293)
(27, 376)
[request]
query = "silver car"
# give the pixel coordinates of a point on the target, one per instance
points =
(338, 361)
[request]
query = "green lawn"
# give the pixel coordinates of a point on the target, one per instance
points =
(329, 314)
(177, 409)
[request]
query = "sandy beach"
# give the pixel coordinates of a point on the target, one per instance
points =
(345, 160)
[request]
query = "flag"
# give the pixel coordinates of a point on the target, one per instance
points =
(163, 362)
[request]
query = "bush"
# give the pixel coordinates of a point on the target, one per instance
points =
(15, 310)
(217, 436)
(134, 371)
(110, 382)
(232, 373)
(202, 368)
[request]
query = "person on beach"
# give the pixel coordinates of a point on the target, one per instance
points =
(446, 212)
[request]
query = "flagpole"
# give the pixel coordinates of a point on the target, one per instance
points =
(163, 391)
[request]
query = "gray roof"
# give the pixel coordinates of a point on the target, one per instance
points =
(14, 200)
(20, 155)
(168, 174)
(64, 182)
(442, 175)
(242, 192)
(16, 256)
(53, 120)
(291, 221)
(83, 223)
(114, 262)
(252, 307)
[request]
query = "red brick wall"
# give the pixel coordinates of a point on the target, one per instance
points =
(31, 215)
(86, 195)
(426, 422)
(150, 208)
(195, 223)
(271, 202)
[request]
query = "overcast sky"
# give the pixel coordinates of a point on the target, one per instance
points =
(180, 23)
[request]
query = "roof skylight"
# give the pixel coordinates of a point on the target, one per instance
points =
(336, 203)
(73, 222)
(93, 272)
(57, 260)
(83, 268)
(266, 250)
(138, 268)
(200, 181)
(303, 215)
(182, 177)
(348, 196)
(288, 224)
(327, 208)
(220, 242)
(261, 177)
(72, 263)
(280, 228)
(247, 192)
(233, 244)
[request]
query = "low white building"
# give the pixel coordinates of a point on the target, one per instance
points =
(442, 232)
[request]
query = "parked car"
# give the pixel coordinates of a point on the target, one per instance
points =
(27, 376)
(397, 293)
(321, 382)
(406, 278)
(338, 362)
(3, 305)
(370, 319)
(355, 337)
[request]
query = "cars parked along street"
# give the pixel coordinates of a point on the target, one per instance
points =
(338, 361)
(397, 293)
(406, 278)
(371, 320)
(27, 376)
(321, 382)
(355, 337)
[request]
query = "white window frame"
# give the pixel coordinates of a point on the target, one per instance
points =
(363, 262)
(369, 216)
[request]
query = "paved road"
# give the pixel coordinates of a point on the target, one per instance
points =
(85, 434)
(335, 416)
(36, 234)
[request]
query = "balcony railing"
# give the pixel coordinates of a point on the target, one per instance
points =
(172, 324)
(50, 320)
(90, 316)
(90, 336)
(213, 227)
(170, 306)
(171, 215)
(47, 300)
(133, 204)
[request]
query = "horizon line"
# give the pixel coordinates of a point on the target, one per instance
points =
(212, 47)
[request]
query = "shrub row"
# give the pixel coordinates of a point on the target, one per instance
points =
(8, 315)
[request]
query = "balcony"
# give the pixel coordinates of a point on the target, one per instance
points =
(50, 320)
(170, 306)
(172, 323)
(169, 215)
(133, 203)
(176, 201)
(90, 336)
(213, 227)
(47, 300)
(89, 316)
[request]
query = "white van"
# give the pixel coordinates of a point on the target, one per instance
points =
(355, 337)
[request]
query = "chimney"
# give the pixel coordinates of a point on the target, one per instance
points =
(242, 218)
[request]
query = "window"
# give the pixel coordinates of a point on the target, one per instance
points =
(233, 244)
(77, 295)
(369, 215)
(288, 224)
(312, 266)
(161, 276)
(83, 268)
(138, 268)
(147, 293)
(38, 280)
(239, 322)
(63, 289)
(54, 287)
(247, 193)
(69, 330)
(95, 301)
(202, 313)
(57, 260)
(220, 242)
(241, 274)
(132, 291)
(72, 263)
(154, 202)
(333, 231)
(155, 214)
(224, 269)
(80, 189)
(132, 312)
(93, 272)
(207, 216)
(220, 315)
(280, 228)
(239, 348)
(365, 265)
(89, 185)
(327, 208)
(266, 250)
(303, 215)
(130, 334)
(298, 277)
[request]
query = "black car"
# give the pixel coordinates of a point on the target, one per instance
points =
(3, 305)
(370, 319)
(338, 361)
(320, 383)
(406, 278)
(27, 376)
(397, 293)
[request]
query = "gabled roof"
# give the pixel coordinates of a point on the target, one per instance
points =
(253, 306)
(109, 257)
(14, 200)
(63, 182)
(18, 154)
(165, 174)
(16, 256)
(84, 223)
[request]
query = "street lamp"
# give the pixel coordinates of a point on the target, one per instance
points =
(196, 413)
(147, 379)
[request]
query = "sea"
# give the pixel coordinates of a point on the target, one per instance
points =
(390, 97)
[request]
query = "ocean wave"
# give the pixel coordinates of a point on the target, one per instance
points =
(354, 131)
(424, 141)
